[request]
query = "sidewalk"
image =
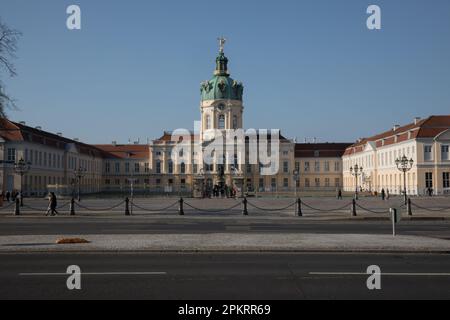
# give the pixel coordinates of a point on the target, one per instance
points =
(230, 242)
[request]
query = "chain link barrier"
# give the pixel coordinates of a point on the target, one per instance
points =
(212, 210)
(154, 210)
(327, 210)
(271, 209)
(8, 206)
(100, 209)
(430, 209)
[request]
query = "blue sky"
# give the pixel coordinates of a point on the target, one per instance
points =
(310, 68)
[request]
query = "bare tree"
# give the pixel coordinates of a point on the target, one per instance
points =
(8, 48)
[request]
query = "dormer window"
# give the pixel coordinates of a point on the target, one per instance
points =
(222, 122)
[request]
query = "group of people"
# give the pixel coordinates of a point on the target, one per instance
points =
(11, 196)
(216, 191)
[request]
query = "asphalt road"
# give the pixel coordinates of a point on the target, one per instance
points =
(224, 276)
(137, 225)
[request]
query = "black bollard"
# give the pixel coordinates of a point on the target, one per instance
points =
(127, 206)
(17, 209)
(181, 207)
(245, 210)
(72, 207)
(299, 208)
(409, 207)
(353, 208)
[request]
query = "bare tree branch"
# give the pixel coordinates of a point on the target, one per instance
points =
(8, 48)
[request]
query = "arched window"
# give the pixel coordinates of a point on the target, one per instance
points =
(183, 168)
(235, 122)
(222, 121)
(208, 122)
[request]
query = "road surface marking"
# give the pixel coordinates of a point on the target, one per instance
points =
(443, 274)
(96, 274)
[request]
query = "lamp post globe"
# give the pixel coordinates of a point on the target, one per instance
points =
(21, 168)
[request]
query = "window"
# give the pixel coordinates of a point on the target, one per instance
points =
(307, 183)
(117, 167)
(158, 181)
(337, 166)
(285, 182)
(297, 166)
(261, 184)
(286, 167)
(107, 167)
(317, 166)
(12, 154)
(337, 182)
(158, 167)
(136, 167)
(427, 153)
(327, 182)
(273, 184)
(235, 122)
(107, 182)
(327, 166)
(444, 153)
(221, 122)
(147, 167)
(317, 182)
(428, 179)
(170, 167)
(183, 168)
(307, 166)
(446, 179)
(127, 167)
(208, 122)
(249, 168)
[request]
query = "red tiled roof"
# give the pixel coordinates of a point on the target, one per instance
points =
(325, 150)
(13, 131)
(125, 151)
(425, 128)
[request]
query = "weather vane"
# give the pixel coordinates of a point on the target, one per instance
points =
(222, 42)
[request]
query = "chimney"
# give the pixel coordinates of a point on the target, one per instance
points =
(38, 128)
(59, 134)
(315, 140)
(396, 127)
(23, 123)
(76, 139)
(114, 143)
(416, 120)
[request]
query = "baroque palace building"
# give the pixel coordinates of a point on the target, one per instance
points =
(162, 167)
(425, 141)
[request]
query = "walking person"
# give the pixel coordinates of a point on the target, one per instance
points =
(339, 195)
(52, 204)
(8, 195)
(383, 194)
(387, 194)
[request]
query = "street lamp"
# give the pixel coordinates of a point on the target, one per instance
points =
(21, 168)
(404, 165)
(356, 171)
(296, 179)
(79, 173)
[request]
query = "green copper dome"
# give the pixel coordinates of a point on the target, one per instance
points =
(222, 86)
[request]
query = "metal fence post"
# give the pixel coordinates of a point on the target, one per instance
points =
(72, 206)
(353, 208)
(17, 208)
(181, 207)
(409, 207)
(127, 206)
(245, 210)
(299, 207)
